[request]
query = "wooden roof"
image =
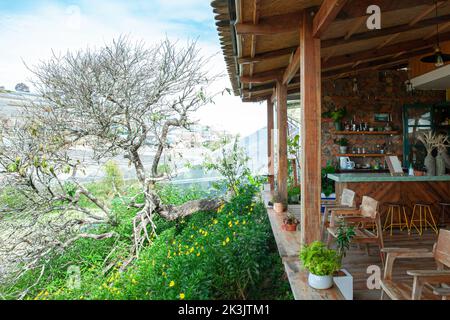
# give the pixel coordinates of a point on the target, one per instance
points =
(260, 38)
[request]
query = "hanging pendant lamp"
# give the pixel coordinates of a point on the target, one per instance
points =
(438, 57)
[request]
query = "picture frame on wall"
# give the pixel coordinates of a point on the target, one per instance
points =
(382, 117)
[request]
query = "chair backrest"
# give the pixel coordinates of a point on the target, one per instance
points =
(442, 248)
(347, 198)
(369, 207)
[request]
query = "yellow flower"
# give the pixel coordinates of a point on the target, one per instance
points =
(215, 221)
(224, 243)
(244, 222)
(198, 254)
(172, 284)
(182, 296)
(206, 233)
(191, 250)
(134, 281)
(236, 222)
(227, 240)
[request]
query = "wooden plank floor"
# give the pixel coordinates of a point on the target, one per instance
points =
(357, 261)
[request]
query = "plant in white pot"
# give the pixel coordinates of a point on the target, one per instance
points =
(343, 145)
(321, 263)
(343, 279)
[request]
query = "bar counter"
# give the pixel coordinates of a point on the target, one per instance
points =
(407, 190)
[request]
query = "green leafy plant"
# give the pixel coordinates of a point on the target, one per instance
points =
(345, 234)
(113, 175)
(319, 260)
(338, 114)
(343, 142)
(290, 219)
(328, 187)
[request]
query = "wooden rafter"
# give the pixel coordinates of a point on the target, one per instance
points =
(416, 19)
(261, 57)
(443, 27)
(256, 14)
(293, 67)
(374, 54)
(372, 34)
(355, 27)
(325, 16)
(263, 77)
(272, 25)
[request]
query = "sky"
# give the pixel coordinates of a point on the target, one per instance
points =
(31, 29)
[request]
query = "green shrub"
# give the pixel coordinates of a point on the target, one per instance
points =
(319, 260)
(228, 254)
(113, 175)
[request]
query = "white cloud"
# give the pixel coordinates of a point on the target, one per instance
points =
(30, 36)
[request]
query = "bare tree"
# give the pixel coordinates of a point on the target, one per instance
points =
(114, 100)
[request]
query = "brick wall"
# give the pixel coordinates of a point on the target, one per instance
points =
(379, 92)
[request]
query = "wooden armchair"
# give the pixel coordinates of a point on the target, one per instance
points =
(367, 214)
(347, 202)
(423, 280)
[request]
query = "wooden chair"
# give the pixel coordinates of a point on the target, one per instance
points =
(367, 214)
(347, 202)
(422, 279)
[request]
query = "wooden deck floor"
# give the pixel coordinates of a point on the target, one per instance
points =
(357, 261)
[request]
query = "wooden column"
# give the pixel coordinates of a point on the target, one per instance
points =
(282, 123)
(270, 128)
(310, 84)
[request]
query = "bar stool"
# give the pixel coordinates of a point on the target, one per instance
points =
(396, 209)
(443, 211)
(425, 213)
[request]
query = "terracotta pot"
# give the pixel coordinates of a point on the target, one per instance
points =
(290, 227)
(279, 207)
(419, 173)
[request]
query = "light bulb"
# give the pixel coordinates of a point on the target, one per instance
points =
(439, 60)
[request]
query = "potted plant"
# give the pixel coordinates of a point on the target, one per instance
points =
(321, 263)
(290, 223)
(343, 279)
(343, 145)
(337, 115)
(279, 205)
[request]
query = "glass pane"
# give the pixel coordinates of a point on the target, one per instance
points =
(419, 117)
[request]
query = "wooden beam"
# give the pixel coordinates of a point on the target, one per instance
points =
(418, 18)
(442, 28)
(293, 67)
(385, 31)
(355, 9)
(263, 77)
(270, 131)
(325, 16)
(355, 27)
(256, 14)
(282, 126)
(261, 57)
(271, 26)
(374, 54)
(310, 87)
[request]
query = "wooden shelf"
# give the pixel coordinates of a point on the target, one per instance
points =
(364, 155)
(372, 133)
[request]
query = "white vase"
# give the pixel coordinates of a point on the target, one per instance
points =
(345, 284)
(320, 282)
(343, 149)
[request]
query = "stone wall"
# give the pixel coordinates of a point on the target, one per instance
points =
(378, 92)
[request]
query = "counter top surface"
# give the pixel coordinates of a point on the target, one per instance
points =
(382, 177)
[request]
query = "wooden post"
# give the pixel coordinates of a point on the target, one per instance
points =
(270, 128)
(310, 84)
(282, 123)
